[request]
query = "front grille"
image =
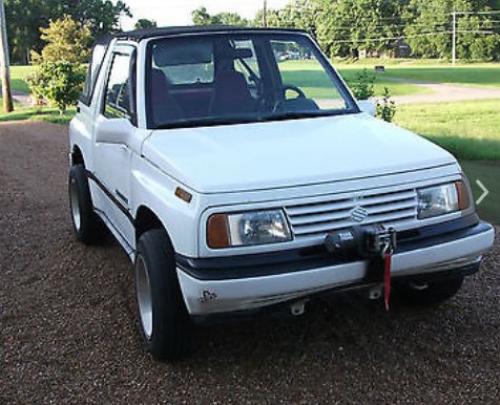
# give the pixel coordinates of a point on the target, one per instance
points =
(316, 219)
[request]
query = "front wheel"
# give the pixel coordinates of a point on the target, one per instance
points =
(87, 226)
(164, 321)
(431, 293)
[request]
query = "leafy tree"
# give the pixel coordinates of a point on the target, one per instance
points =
(26, 17)
(346, 26)
(143, 23)
(23, 19)
(58, 82)
(201, 16)
(67, 40)
(231, 19)
(429, 26)
(296, 14)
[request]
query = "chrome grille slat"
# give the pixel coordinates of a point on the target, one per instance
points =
(323, 228)
(320, 217)
(320, 207)
(388, 197)
(389, 207)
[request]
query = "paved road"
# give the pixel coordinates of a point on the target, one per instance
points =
(67, 332)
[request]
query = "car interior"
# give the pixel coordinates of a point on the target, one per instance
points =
(217, 78)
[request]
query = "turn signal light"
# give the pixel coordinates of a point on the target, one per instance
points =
(218, 231)
(463, 195)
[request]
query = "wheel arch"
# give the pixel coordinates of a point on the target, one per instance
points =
(77, 156)
(145, 220)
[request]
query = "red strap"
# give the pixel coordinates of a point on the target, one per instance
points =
(387, 280)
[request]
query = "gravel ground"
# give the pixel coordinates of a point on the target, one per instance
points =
(68, 333)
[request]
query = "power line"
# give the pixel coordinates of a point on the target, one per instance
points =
(391, 38)
(479, 12)
(393, 25)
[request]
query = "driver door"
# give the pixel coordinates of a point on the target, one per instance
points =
(113, 129)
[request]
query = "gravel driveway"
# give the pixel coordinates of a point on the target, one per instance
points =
(68, 333)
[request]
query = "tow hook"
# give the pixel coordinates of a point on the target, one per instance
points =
(375, 293)
(298, 308)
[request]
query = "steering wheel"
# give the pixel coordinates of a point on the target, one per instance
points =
(294, 88)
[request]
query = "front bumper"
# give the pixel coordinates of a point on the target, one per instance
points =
(247, 286)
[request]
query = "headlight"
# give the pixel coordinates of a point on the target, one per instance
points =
(443, 199)
(247, 228)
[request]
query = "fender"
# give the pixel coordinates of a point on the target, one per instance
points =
(155, 190)
(80, 136)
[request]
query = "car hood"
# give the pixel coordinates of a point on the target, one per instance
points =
(290, 153)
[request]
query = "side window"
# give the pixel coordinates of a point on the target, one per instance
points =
(247, 64)
(302, 72)
(185, 62)
(98, 54)
(117, 98)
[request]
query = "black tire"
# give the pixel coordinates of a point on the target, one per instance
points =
(167, 331)
(435, 293)
(87, 226)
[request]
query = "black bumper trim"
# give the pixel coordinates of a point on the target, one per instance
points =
(282, 309)
(289, 261)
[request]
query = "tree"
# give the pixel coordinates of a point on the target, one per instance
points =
(347, 26)
(26, 17)
(429, 27)
(200, 16)
(296, 14)
(144, 23)
(67, 40)
(23, 19)
(231, 19)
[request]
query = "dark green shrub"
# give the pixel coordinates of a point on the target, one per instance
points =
(363, 85)
(60, 83)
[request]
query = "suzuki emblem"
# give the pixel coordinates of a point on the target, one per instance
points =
(358, 214)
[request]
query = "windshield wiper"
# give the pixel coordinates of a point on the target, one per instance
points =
(208, 122)
(291, 115)
(246, 119)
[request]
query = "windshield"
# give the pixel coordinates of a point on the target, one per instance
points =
(225, 79)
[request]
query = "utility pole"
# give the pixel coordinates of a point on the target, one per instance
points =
(454, 39)
(265, 13)
(4, 62)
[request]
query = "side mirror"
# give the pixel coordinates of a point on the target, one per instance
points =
(368, 106)
(113, 130)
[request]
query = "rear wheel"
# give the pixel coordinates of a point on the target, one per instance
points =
(164, 321)
(429, 293)
(87, 226)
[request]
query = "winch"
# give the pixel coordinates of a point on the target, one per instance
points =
(374, 243)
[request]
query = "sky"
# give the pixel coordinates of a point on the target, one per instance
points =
(178, 12)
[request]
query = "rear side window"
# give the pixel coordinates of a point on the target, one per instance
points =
(185, 61)
(94, 68)
(117, 101)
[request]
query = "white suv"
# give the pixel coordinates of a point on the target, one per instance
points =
(237, 180)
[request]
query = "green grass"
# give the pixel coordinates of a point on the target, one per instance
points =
(47, 114)
(476, 75)
(309, 77)
(18, 75)
(489, 174)
(470, 130)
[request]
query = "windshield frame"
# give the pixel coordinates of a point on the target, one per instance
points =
(351, 104)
